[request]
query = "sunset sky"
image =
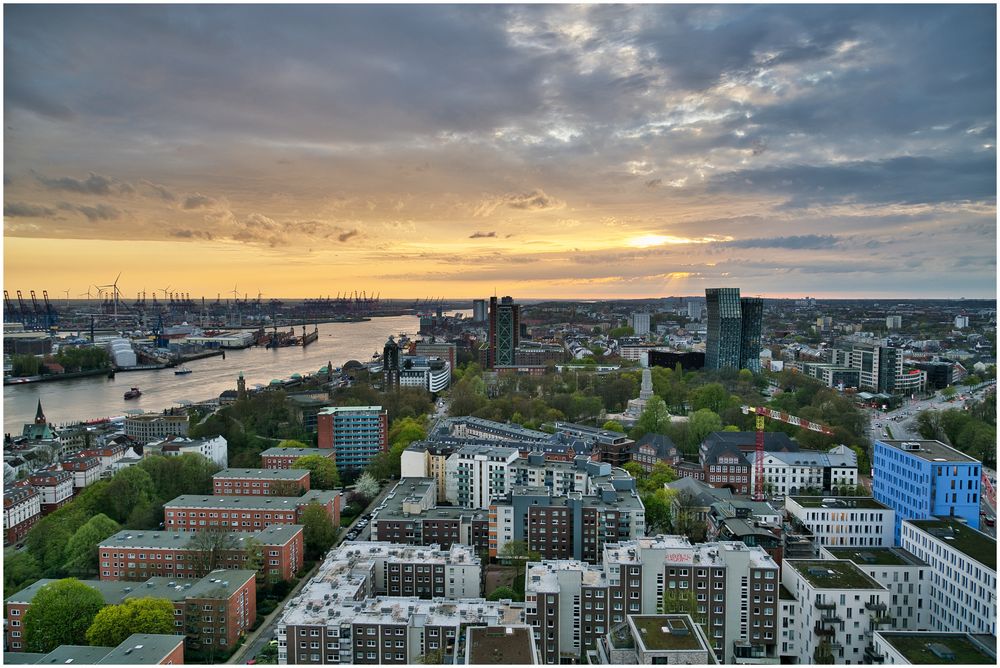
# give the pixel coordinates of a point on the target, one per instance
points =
(539, 151)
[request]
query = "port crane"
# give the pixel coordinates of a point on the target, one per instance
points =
(761, 412)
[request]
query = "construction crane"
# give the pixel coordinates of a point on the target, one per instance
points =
(761, 412)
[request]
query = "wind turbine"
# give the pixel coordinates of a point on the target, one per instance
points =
(115, 293)
(67, 294)
(164, 291)
(87, 293)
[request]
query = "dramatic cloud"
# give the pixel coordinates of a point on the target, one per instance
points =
(94, 184)
(22, 210)
(197, 201)
(805, 241)
(638, 150)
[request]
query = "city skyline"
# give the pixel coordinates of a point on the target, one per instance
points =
(538, 151)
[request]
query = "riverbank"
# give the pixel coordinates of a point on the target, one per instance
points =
(56, 376)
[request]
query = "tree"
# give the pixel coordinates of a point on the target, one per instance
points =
(20, 569)
(209, 546)
(367, 486)
(81, 550)
(657, 511)
(285, 488)
(661, 474)
(131, 487)
(502, 593)
(406, 430)
(712, 396)
(318, 531)
(949, 392)
(634, 469)
(654, 419)
(115, 623)
(703, 422)
(323, 472)
(685, 517)
(292, 444)
(518, 550)
(614, 425)
(60, 614)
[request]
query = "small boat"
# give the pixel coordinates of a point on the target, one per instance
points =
(182, 371)
(134, 393)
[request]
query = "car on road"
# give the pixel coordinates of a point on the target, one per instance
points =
(990, 521)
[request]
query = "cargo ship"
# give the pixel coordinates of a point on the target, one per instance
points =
(134, 393)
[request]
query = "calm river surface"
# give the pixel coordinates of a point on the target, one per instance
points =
(95, 397)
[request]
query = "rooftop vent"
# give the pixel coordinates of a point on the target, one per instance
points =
(941, 651)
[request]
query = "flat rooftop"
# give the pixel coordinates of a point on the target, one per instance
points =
(112, 591)
(276, 534)
(970, 542)
(831, 574)
(249, 501)
(333, 410)
(932, 451)
(142, 649)
(501, 645)
(839, 502)
(876, 556)
(918, 648)
(297, 452)
(262, 474)
(666, 632)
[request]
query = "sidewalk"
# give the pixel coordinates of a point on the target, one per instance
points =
(240, 655)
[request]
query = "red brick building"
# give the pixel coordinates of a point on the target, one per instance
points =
(260, 482)
(282, 458)
(22, 507)
(191, 512)
(138, 555)
(55, 487)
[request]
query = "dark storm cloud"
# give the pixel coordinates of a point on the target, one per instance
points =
(100, 212)
(94, 184)
(197, 201)
(24, 210)
(799, 242)
(482, 235)
(162, 191)
(191, 234)
(347, 234)
(916, 180)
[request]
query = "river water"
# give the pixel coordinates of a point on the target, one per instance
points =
(96, 396)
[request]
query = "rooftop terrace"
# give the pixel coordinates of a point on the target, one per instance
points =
(666, 632)
(876, 556)
(500, 645)
(919, 648)
(970, 542)
(932, 451)
(839, 502)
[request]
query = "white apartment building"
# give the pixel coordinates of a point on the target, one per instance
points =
(475, 475)
(214, 449)
(431, 373)
(640, 323)
(403, 569)
(843, 521)
(893, 321)
(894, 648)
(838, 609)
(961, 321)
(962, 592)
(905, 577)
(788, 473)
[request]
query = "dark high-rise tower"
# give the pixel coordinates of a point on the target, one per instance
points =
(505, 330)
(734, 326)
(751, 315)
(722, 350)
(390, 364)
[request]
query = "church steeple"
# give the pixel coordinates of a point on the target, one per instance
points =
(40, 414)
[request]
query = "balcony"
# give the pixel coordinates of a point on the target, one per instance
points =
(820, 605)
(878, 607)
(872, 655)
(821, 630)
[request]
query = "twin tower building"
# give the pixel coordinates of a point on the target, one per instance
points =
(734, 324)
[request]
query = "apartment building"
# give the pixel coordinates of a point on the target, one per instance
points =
(409, 515)
(213, 611)
(925, 479)
(722, 458)
(962, 564)
(86, 470)
(138, 555)
(260, 482)
(356, 434)
(155, 427)
(139, 649)
(475, 475)
(214, 449)
(652, 449)
(191, 512)
(426, 459)
(284, 458)
(908, 647)
(654, 639)
(729, 588)
(838, 609)
(421, 572)
(574, 526)
(108, 454)
(843, 521)
(788, 473)
(905, 577)
(341, 617)
(473, 427)
(500, 646)
(22, 507)
(54, 487)
(613, 447)
(430, 373)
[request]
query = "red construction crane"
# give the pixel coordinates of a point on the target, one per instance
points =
(761, 412)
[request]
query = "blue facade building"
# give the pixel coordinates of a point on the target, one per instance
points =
(925, 479)
(357, 434)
